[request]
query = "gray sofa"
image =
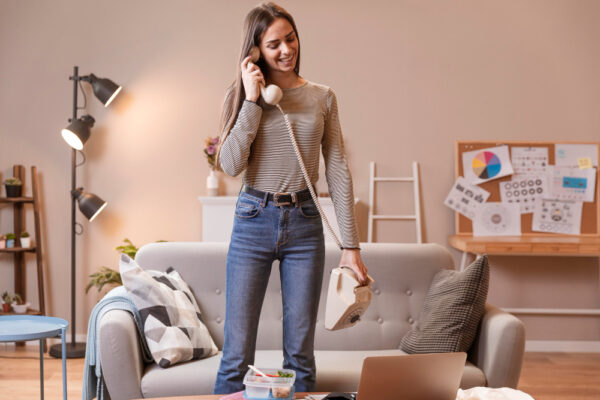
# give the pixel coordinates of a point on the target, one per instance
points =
(402, 273)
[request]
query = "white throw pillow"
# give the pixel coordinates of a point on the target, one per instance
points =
(170, 315)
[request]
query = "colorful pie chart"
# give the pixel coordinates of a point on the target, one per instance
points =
(486, 165)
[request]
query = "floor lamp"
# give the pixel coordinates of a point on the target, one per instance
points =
(76, 134)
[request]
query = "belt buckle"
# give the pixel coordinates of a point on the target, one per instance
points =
(284, 203)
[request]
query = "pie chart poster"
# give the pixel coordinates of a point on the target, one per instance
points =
(486, 164)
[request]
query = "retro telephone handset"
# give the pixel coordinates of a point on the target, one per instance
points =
(271, 94)
(346, 299)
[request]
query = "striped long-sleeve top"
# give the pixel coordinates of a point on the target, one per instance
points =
(259, 143)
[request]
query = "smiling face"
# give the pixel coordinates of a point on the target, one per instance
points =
(279, 46)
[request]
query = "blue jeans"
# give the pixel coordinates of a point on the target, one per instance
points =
(262, 233)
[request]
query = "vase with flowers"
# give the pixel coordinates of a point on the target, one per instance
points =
(212, 180)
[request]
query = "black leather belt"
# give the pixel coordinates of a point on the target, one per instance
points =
(280, 199)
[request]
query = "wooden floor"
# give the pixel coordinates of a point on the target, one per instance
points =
(545, 376)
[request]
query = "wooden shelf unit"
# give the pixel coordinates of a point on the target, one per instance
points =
(16, 199)
(29, 312)
(19, 250)
(18, 253)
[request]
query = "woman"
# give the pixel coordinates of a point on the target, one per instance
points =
(275, 217)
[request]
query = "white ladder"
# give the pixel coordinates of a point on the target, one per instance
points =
(416, 217)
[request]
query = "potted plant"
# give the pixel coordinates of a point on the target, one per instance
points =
(2, 242)
(25, 240)
(7, 299)
(14, 187)
(128, 248)
(10, 240)
(107, 278)
(18, 305)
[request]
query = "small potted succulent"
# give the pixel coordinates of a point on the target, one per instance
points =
(2, 242)
(14, 187)
(10, 240)
(25, 240)
(18, 305)
(6, 300)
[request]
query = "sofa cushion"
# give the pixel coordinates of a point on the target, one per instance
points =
(452, 310)
(185, 379)
(170, 315)
(336, 371)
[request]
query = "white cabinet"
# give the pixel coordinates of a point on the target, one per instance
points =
(217, 217)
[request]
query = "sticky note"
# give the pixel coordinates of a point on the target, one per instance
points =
(584, 162)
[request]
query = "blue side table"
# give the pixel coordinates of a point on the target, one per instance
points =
(22, 328)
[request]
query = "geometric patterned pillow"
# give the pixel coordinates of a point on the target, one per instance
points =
(171, 317)
(452, 310)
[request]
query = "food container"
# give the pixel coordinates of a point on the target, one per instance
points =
(266, 388)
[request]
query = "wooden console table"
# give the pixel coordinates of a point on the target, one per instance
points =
(525, 246)
(218, 211)
(298, 395)
(530, 246)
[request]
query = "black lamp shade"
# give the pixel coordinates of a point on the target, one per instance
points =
(78, 131)
(90, 205)
(104, 89)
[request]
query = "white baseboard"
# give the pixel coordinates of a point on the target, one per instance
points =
(572, 346)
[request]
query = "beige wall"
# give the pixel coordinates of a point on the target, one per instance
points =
(411, 77)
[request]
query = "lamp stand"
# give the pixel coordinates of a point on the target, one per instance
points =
(74, 349)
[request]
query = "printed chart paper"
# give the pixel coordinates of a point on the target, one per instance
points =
(466, 198)
(572, 183)
(568, 154)
(486, 164)
(529, 160)
(557, 216)
(497, 219)
(524, 190)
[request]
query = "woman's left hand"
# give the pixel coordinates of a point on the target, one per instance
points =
(351, 259)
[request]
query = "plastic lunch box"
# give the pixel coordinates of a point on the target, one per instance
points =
(267, 388)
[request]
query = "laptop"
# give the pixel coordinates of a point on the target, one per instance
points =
(433, 376)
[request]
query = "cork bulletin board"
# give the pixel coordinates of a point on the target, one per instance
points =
(590, 218)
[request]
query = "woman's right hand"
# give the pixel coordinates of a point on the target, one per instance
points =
(252, 77)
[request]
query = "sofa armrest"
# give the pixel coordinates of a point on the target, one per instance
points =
(498, 348)
(121, 355)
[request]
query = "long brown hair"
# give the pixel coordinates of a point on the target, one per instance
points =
(256, 23)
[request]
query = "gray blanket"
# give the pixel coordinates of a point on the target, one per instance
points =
(116, 299)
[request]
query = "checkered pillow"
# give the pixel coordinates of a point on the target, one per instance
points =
(170, 315)
(451, 312)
